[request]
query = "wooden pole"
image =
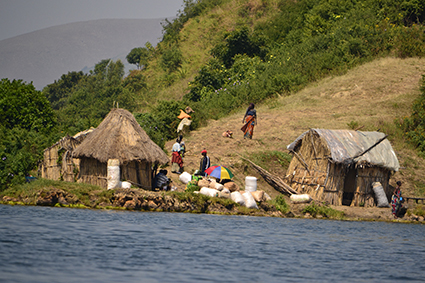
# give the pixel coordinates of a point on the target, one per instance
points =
(274, 181)
(370, 148)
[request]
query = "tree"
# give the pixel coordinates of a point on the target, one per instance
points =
(140, 56)
(58, 92)
(171, 59)
(242, 42)
(26, 121)
(21, 105)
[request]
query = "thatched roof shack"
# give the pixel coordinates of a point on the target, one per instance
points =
(58, 163)
(339, 166)
(119, 136)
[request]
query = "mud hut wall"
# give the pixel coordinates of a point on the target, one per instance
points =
(366, 176)
(50, 168)
(137, 172)
(312, 154)
(93, 172)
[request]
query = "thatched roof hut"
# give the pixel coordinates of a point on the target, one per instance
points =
(119, 136)
(58, 163)
(339, 166)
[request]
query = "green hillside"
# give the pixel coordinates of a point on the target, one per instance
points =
(219, 55)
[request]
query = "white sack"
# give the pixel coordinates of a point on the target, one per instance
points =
(125, 185)
(219, 187)
(266, 196)
(304, 198)
(258, 196)
(185, 177)
(237, 197)
(249, 200)
(209, 192)
(381, 198)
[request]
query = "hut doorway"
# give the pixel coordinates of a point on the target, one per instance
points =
(349, 186)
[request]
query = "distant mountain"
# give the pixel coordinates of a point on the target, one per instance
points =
(43, 56)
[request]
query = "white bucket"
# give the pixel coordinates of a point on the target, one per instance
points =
(250, 184)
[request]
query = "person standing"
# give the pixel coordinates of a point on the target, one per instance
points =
(176, 145)
(176, 162)
(249, 120)
(204, 164)
(396, 200)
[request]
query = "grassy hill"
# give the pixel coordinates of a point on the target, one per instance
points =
(305, 64)
(372, 95)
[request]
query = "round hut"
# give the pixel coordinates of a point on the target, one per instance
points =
(340, 166)
(119, 137)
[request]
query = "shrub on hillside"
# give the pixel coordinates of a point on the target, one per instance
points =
(414, 126)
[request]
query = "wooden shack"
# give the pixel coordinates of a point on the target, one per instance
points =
(119, 136)
(340, 166)
(58, 163)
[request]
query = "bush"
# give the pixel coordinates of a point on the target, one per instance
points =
(414, 126)
(313, 209)
(280, 204)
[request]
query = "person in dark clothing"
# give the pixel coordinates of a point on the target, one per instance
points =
(249, 121)
(205, 163)
(161, 180)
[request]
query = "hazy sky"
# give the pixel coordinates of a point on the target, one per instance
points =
(22, 16)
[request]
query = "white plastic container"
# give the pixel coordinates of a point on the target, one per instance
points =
(113, 172)
(250, 184)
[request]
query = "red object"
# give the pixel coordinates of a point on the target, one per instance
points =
(176, 158)
(204, 151)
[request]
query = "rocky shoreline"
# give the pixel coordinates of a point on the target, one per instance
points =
(141, 200)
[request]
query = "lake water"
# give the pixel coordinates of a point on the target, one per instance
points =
(45, 244)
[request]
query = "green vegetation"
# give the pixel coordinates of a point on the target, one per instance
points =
(280, 204)
(419, 210)
(216, 56)
(323, 210)
(26, 123)
(81, 193)
(414, 126)
(192, 187)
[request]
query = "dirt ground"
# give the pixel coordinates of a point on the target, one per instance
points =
(370, 96)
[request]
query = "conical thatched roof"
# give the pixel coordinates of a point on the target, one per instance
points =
(119, 136)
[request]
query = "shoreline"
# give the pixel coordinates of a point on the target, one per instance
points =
(149, 201)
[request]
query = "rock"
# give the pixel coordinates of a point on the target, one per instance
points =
(7, 199)
(421, 218)
(152, 205)
(62, 200)
(290, 214)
